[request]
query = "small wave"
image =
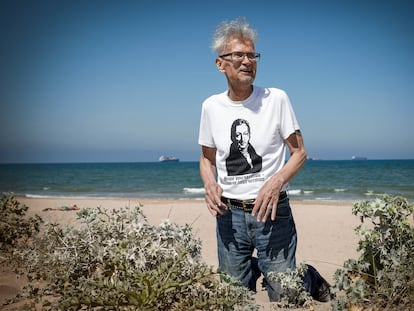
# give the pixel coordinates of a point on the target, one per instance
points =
(339, 190)
(308, 191)
(295, 192)
(369, 192)
(59, 196)
(194, 190)
(324, 199)
(374, 193)
(38, 196)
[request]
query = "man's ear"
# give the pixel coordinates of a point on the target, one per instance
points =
(219, 64)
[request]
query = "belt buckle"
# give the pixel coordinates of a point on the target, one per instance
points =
(245, 204)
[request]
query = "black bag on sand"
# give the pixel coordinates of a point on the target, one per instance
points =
(316, 285)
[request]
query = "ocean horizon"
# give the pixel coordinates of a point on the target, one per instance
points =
(326, 180)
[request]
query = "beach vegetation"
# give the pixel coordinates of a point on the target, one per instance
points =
(115, 260)
(291, 283)
(382, 278)
(15, 228)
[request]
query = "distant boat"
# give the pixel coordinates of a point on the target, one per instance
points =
(358, 158)
(168, 159)
(311, 158)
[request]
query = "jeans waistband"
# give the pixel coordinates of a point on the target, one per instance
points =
(247, 205)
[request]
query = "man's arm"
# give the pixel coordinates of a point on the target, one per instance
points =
(269, 193)
(208, 175)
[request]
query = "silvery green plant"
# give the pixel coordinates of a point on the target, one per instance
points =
(383, 276)
(115, 260)
(291, 282)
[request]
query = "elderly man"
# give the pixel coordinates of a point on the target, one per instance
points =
(251, 206)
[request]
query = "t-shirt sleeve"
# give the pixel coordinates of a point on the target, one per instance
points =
(205, 136)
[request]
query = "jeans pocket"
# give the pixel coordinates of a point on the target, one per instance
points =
(225, 213)
(283, 210)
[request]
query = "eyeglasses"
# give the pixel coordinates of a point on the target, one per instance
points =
(239, 56)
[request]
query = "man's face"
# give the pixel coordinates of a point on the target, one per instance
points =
(242, 136)
(238, 72)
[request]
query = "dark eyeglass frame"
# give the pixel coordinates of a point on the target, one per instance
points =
(239, 56)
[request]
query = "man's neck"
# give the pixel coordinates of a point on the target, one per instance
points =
(239, 94)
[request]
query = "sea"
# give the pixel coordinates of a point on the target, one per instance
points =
(327, 180)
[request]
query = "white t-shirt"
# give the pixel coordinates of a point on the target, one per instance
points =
(249, 137)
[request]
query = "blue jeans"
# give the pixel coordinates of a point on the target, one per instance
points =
(239, 234)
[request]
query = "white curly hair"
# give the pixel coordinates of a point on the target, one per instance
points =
(237, 28)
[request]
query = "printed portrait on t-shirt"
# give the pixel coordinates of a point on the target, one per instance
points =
(243, 158)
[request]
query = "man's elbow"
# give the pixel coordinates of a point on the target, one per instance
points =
(301, 155)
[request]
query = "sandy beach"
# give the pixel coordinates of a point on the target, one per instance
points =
(326, 235)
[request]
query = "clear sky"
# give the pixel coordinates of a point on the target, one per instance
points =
(93, 81)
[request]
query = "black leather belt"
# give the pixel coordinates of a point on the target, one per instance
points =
(247, 205)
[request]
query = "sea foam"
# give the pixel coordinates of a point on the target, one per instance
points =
(295, 192)
(194, 190)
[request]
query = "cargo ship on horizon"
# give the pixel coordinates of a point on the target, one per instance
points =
(168, 159)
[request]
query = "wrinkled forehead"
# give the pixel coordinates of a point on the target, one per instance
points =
(238, 44)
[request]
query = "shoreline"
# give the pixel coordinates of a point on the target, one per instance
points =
(326, 236)
(292, 198)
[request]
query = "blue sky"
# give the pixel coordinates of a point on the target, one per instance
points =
(93, 81)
